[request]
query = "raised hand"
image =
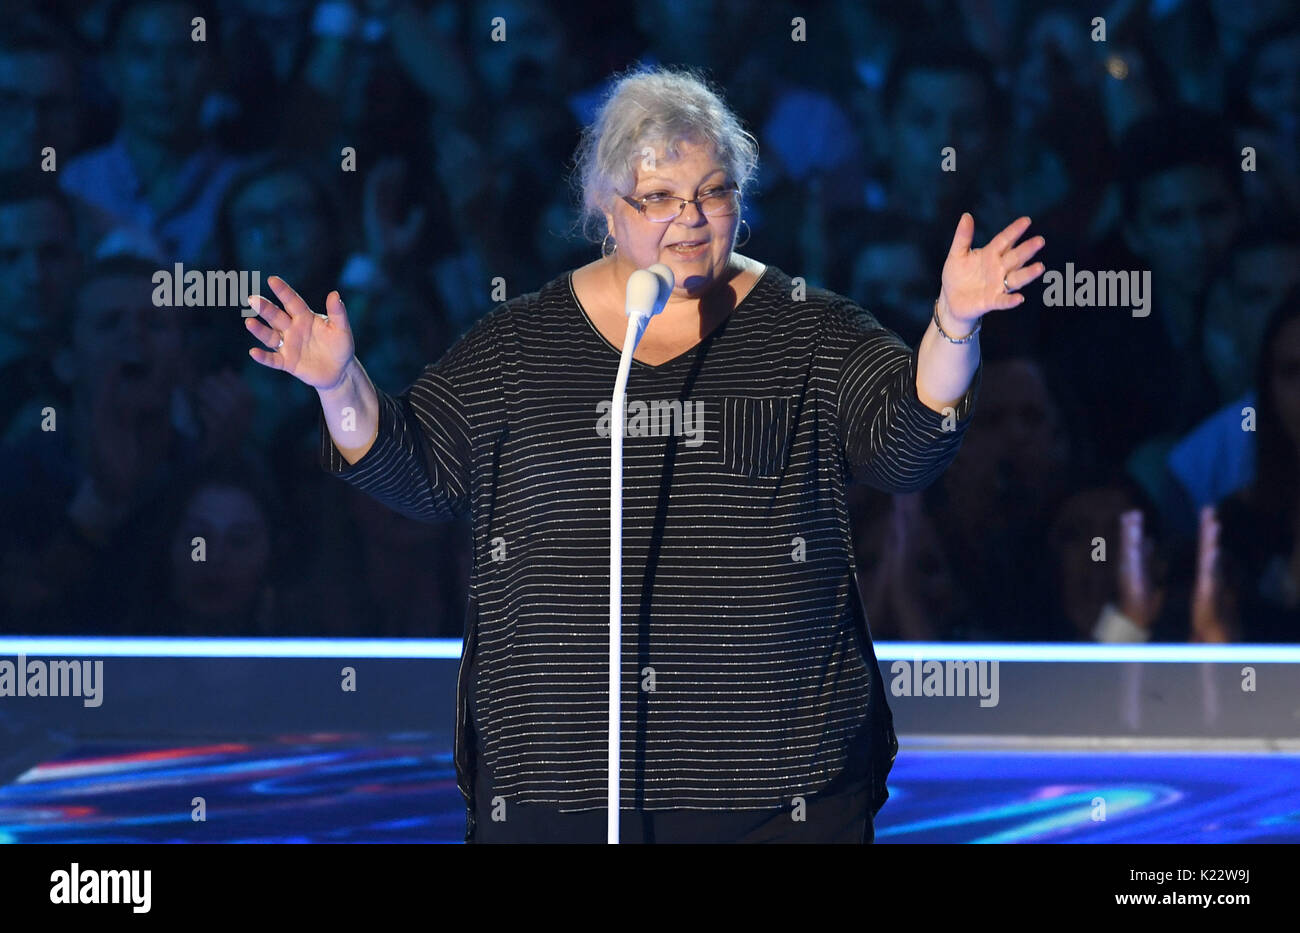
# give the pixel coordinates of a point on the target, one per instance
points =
(313, 348)
(392, 225)
(976, 281)
(128, 437)
(1208, 622)
(1138, 598)
(225, 404)
(906, 518)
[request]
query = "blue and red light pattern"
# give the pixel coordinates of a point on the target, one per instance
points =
(322, 787)
(339, 788)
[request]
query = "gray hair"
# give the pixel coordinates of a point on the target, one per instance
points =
(659, 108)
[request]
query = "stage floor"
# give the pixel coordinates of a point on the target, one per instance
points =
(358, 787)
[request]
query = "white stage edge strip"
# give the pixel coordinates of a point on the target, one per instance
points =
(449, 649)
(1075, 653)
(1141, 745)
(125, 647)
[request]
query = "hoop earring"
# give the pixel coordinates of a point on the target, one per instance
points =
(604, 243)
(748, 234)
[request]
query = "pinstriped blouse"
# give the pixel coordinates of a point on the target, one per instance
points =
(748, 674)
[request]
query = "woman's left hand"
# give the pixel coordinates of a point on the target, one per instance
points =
(392, 222)
(976, 281)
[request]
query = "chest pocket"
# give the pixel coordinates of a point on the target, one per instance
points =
(755, 435)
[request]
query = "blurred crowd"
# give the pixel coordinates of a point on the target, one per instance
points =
(1127, 478)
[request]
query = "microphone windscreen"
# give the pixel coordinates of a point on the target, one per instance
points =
(642, 293)
(667, 281)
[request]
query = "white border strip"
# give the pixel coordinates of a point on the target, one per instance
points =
(449, 649)
(129, 647)
(1066, 652)
(1153, 744)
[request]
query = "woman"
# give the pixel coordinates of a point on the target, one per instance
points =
(1248, 566)
(228, 588)
(753, 706)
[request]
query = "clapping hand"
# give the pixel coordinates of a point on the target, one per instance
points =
(1208, 622)
(1139, 599)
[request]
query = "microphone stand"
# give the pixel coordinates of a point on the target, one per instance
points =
(641, 306)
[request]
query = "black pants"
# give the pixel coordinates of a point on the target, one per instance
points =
(840, 813)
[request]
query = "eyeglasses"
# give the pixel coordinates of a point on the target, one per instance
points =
(663, 208)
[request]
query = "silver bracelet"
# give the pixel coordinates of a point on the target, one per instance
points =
(959, 340)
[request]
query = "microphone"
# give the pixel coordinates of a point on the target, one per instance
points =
(647, 293)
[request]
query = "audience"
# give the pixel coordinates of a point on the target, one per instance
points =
(1128, 477)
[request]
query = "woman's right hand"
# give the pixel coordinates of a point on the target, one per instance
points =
(1139, 599)
(317, 348)
(1209, 623)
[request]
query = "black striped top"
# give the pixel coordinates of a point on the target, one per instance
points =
(745, 675)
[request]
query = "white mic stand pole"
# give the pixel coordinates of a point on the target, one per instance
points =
(647, 292)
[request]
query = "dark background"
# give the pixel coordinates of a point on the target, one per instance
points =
(228, 154)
